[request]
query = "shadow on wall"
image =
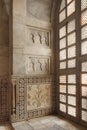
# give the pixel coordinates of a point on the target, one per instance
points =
(4, 23)
(4, 60)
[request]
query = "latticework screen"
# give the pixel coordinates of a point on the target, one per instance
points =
(67, 58)
(84, 91)
(72, 60)
(84, 60)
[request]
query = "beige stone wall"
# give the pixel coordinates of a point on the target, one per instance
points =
(44, 12)
(29, 39)
(32, 61)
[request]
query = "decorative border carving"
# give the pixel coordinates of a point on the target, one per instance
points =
(33, 79)
(19, 109)
(41, 112)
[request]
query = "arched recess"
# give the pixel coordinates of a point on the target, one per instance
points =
(71, 59)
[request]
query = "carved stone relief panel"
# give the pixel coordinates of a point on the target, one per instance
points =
(37, 65)
(38, 37)
(32, 97)
(39, 96)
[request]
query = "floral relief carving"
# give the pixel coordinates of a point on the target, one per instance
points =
(37, 65)
(39, 96)
(31, 65)
(38, 37)
(33, 97)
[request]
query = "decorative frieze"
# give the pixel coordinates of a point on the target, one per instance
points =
(32, 79)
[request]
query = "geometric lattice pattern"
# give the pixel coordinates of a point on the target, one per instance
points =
(67, 60)
(4, 106)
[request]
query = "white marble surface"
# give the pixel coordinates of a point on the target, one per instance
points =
(49, 123)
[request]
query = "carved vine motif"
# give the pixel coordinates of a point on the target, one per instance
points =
(39, 96)
(38, 37)
(4, 106)
(37, 65)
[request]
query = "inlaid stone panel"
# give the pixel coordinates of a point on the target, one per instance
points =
(39, 96)
(32, 97)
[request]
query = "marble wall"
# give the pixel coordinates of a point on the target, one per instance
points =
(44, 12)
(32, 60)
(26, 59)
